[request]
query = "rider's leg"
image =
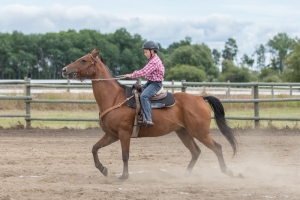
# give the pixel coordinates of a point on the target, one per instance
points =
(148, 92)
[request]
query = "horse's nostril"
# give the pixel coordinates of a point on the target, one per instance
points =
(64, 70)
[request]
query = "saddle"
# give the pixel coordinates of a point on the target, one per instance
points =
(160, 100)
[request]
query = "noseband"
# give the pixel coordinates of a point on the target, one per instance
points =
(87, 72)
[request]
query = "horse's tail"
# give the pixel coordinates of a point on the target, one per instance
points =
(218, 109)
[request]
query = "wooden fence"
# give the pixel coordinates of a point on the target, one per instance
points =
(28, 99)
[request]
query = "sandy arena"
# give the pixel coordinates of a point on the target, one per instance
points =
(58, 164)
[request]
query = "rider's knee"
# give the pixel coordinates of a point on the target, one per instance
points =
(143, 96)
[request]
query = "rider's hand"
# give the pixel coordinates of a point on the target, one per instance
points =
(127, 75)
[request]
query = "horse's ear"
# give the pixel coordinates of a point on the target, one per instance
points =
(95, 52)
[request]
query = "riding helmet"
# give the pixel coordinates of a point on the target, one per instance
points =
(151, 45)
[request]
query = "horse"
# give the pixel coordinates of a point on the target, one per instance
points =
(189, 118)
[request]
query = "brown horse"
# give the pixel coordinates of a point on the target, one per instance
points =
(190, 117)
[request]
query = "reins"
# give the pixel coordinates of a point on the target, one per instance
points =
(106, 79)
(114, 107)
(100, 79)
(94, 72)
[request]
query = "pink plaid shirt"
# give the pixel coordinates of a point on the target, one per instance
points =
(153, 71)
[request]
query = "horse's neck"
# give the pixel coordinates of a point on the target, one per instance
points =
(106, 92)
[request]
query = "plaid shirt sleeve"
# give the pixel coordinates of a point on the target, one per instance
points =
(148, 69)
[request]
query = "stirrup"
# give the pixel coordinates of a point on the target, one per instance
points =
(145, 123)
(141, 123)
(150, 123)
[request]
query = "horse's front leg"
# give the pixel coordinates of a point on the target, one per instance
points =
(125, 145)
(107, 139)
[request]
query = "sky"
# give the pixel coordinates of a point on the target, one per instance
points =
(249, 22)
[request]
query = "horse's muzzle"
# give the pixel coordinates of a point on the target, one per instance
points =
(67, 74)
(64, 72)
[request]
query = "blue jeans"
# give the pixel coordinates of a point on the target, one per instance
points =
(150, 89)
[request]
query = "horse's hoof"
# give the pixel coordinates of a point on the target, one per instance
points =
(240, 176)
(104, 171)
(187, 173)
(118, 180)
(229, 173)
(122, 178)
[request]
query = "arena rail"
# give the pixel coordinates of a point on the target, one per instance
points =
(28, 99)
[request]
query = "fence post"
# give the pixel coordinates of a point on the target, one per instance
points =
(228, 91)
(28, 121)
(183, 88)
(256, 106)
(291, 90)
(172, 87)
(272, 91)
(204, 88)
(68, 90)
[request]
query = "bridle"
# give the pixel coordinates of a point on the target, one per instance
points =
(94, 72)
(87, 69)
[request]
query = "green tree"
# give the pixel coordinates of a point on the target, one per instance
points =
(279, 46)
(230, 49)
(54, 46)
(195, 55)
(185, 72)
(269, 75)
(18, 56)
(185, 55)
(233, 73)
(292, 72)
(165, 58)
(260, 52)
(216, 56)
(247, 61)
(131, 55)
(6, 51)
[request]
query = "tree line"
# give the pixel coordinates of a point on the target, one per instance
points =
(42, 56)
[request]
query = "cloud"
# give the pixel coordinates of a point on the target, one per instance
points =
(212, 29)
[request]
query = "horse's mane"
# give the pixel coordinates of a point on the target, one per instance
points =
(104, 61)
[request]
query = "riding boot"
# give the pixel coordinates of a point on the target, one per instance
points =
(142, 119)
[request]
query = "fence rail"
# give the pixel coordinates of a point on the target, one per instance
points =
(183, 87)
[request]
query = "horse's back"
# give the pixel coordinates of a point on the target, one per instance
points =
(192, 104)
(189, 110)
(185, 98)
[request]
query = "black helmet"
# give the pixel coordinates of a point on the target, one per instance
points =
(151, 45)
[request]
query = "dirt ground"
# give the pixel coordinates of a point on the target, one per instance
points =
(58, 164)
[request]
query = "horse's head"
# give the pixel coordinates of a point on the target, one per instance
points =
(82, 68)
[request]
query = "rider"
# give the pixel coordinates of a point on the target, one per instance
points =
(154, 73)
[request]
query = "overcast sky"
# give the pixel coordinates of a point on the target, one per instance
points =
(249, 22)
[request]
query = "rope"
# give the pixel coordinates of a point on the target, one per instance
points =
(106, 79)
(114, 107)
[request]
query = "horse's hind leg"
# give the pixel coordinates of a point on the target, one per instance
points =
(189, 142)
(217, 149)
(107, 139)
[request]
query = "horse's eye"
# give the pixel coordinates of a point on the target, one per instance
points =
(83, 61)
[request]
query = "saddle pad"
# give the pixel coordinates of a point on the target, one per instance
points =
(168, 101)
